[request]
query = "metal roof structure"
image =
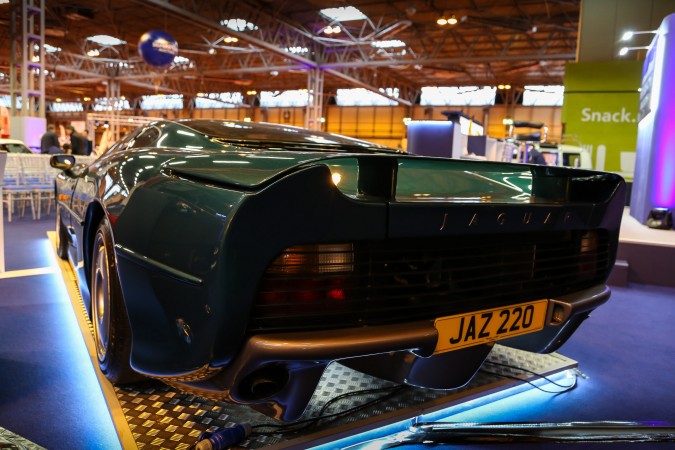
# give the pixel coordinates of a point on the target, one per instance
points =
(516, 42)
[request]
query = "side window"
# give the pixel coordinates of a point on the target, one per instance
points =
(124, 142)
(145, 139)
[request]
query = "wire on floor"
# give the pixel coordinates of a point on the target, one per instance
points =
(564, 388)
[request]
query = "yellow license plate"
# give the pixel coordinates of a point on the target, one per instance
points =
(489, 325)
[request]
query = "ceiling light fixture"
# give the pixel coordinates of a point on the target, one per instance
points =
(105, 40)
(343, 14)
(394, 43)
(445, 20)
(238, 25)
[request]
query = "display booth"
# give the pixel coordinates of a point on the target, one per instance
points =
(653, 194)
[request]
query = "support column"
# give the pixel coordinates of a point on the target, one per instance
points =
(27, 76)
(27, 58)
(113, 95)
(314, 108)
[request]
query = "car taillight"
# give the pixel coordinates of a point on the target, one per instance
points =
(318, 258)
(588, 254)
(307, 279)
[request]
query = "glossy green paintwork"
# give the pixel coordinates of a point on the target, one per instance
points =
(196, 218)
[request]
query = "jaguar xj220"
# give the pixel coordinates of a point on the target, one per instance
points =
(236, 260)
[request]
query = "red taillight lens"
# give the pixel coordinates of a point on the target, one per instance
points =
(307, 279)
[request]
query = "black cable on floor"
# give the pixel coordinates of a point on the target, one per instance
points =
(314, 421)
(565, 388)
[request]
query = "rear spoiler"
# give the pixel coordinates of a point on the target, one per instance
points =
(378, 177)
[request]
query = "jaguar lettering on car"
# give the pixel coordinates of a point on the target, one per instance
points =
(501, 218)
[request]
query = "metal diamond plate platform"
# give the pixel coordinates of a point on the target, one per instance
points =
(11, 441)
(160, 417)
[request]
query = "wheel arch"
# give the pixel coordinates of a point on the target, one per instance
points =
(92, 219)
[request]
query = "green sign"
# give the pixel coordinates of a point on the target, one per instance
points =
(600, 111)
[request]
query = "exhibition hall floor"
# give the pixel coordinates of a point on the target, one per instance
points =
(50, 394)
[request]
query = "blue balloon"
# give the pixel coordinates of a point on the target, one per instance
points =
(157, 48)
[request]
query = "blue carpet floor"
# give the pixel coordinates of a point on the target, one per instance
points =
(49, 393)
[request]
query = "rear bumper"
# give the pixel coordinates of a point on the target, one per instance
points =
(278, 373)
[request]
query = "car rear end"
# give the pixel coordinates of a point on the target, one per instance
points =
(406, 268)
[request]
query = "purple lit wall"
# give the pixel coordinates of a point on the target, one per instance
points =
(431, 137)
(654, 181)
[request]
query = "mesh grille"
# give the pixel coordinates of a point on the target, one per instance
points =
(406, 280)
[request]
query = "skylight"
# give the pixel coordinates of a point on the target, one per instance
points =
(278, 99)
(543, 95)
(238, 25)
(172, 101)
(343, 14)
(458, 96)
(388, 44)
(218, 100)
(107, 104)
(104, 39)
(364, 97)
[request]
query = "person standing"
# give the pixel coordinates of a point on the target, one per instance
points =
(87, 141)
(78, 144)
(49, 143)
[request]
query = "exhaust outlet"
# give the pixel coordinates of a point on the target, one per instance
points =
(263, 383)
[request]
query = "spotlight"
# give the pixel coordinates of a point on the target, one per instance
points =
(628, 35)
(660, 218)
(624, 50)
(444, 20)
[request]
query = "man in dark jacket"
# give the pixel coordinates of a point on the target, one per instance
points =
(77, 141)
(50, 141)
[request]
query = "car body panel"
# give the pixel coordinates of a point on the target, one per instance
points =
(198, 219)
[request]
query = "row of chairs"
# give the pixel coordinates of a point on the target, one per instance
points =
(28, 182)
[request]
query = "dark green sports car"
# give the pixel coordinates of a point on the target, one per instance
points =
(237, 260)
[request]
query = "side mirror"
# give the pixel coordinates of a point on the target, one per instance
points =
(62, 162)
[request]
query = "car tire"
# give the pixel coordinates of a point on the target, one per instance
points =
(112, 333)
(61, 237)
